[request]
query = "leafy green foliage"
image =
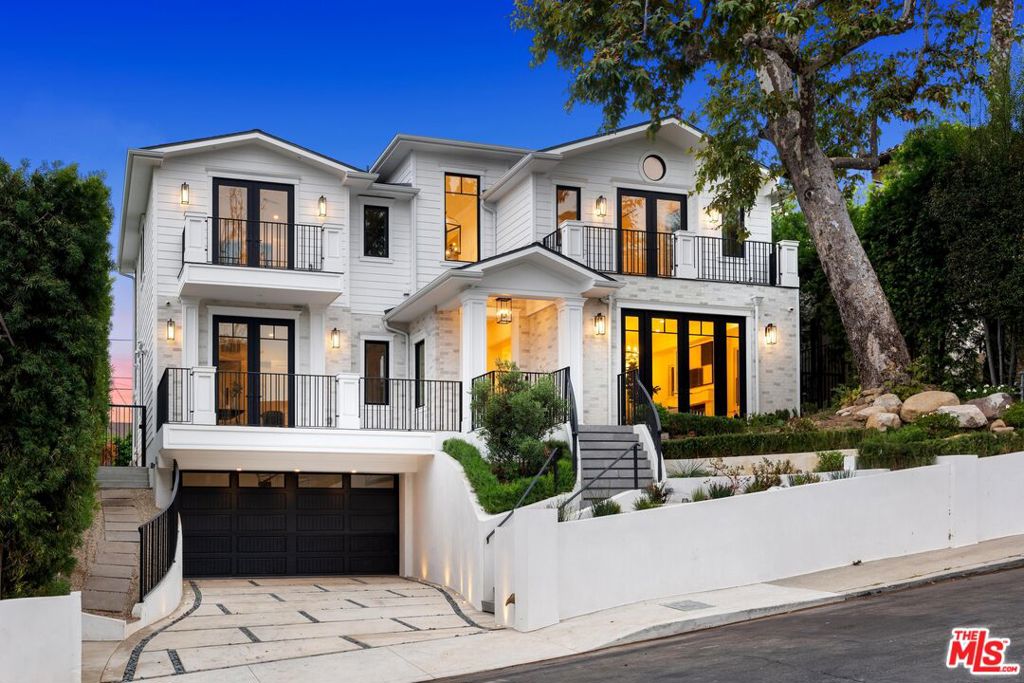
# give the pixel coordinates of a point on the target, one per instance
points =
(725, 445)
(720, 489)
(900, 453)
(1014, 416)
(768, 474)
(500, 496)
(645, 503)
(829, 461)
(690, 468)
(515, 415)
(801, 478)
(55, 377)
(690, 424)
(699, 494)
(937, 425)
(603, 508)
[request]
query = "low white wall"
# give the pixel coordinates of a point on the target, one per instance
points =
(1001, 496)
(41, 639)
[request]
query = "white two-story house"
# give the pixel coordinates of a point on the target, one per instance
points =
(307, 332)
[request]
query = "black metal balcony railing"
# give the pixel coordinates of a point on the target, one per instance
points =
(263, 244)
(560, 378)
(271, 399)
(126, 436)
(638, 252)
(430, 405)
(174, 397)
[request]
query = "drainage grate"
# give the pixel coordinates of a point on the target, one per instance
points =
(688, 605)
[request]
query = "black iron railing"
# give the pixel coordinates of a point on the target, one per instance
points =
(637, 407)
(174, 397)
(264, 244)
(560, 378)
(551, 462)
(271, 399)
(729, 260)
(631, 452)
(158, 541)
(430, 405)
(126, 436)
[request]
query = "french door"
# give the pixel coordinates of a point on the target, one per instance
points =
(253, 223)
(646, 223)
(255, 359)
(688, 362)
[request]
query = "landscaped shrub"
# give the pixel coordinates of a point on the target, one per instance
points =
(801, 478)
(699, 494)
(1014, 416)
(830, 461)
(689, 424)
(645, 503)
(720, 489)
(768, 474)
(497, 496)
(883, 453)
(725, 445)
(938, 425)
(603, 508)
(690, 468)
(765, 421)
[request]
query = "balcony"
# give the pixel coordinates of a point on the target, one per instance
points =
(260, 261)
(679, 254)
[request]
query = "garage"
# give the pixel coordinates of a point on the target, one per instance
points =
(289, 523)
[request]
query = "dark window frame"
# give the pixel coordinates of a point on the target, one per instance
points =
(253, 350)
(664, 167)
(252, 220)
(444, 227)
(651, 225)
(733, 246)
(387, 230)
(579, 202)
(419, 363)
(384, 398)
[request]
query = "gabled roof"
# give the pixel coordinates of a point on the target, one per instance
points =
(620, 134)
(402, 143)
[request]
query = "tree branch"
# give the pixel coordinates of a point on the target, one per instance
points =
(869, 162)
(839, 49)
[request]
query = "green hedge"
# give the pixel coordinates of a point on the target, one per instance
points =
(883, 453)
(683, 424)
(496, 496)
(727, 445)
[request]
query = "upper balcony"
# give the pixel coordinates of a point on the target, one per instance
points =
(680, 254)
(260, 261)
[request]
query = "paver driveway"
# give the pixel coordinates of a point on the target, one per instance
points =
(238, 622)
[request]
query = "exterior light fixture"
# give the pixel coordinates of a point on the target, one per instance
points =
(170, 329)
(599, 324)
(771, 334)
(321, 207)
(601, 207)
(184, 194)
(335, 338)
(504, 310)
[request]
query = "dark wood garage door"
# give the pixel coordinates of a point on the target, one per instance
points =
(266, 524)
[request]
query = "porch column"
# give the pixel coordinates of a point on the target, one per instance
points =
(570, 344)
(195, 242)
(204, 400)
(686, 255)
(789, 275)
(473, 348)
(317, 342)
(189, 333)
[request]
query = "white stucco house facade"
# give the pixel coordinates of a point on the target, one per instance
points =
(307, 332)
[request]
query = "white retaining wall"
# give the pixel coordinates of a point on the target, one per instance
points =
(41, 639)
(750, 538)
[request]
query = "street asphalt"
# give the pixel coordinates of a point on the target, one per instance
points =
(898, 636)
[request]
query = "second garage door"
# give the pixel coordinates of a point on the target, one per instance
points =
(277, 523)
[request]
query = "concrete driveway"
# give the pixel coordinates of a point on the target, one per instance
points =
(230, 624)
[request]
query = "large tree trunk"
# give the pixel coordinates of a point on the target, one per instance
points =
(1002, 38)
(878, 346)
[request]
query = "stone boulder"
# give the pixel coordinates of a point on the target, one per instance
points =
(925, 403)
(994, 405)
(996, 424)
(884, 420)
(969, 417)
(890, 402)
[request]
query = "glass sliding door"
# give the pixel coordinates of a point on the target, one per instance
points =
(646, 223)
(701, 364)
(253, 224)
(664, 386)
(255, 360)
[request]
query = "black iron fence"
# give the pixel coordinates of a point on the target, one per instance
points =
(430, 405)
(264, 244)
(560, 378)
(729, 260)
(126, 436)
(158, 542)
(823, 369)
(637, 407)
(271, 399)
(174, 397)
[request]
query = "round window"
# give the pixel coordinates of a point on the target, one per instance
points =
(654, 167)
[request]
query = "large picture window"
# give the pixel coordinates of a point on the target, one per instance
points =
(252, 224)
(461, 217)
(375, 231)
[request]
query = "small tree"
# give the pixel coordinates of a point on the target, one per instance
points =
(55, 376)
(515, 415)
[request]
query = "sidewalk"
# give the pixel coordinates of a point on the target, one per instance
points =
(641, 621)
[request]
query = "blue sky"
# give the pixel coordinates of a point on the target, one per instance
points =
(84, 82)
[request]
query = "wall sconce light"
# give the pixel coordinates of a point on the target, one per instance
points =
(599, 323)
(771, 334)
(504, 310)
(335, 338)
(321, 207)
(184, 194)
(170, 329)
(601, 207)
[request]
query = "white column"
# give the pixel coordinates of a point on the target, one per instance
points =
(317, 340)
(204, 403)
(570, 344)
(197, 238)
(189, 333)
(334, 257)
(686, 255)
(473, 348)
(525, 560)
(572, 240)
(348, 400)
(788, 257)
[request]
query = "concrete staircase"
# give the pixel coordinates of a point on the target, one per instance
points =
(599, 446)
(123, 477)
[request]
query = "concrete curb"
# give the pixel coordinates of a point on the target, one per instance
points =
(916, 582)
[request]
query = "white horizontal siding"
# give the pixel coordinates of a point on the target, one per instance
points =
(378, 284)
(515, 214)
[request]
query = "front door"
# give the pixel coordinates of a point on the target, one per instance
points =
(646, 223)
(688, 362)
(252, 223)
(255, 359)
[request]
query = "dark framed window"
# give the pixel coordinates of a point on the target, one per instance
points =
(252, 223)
(461, 217)
(376, 362)
(255, 359)
(376, 221)
(419, 368)
(732, 245)
(567, 204)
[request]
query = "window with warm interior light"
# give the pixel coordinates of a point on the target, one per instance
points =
(461, 217)
(567, 200)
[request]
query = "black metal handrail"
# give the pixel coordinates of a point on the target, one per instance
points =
(633, 450)
(559, 377)
(275, 399)
(174, 397)
(637, 407)
(552, 462)
(256, 243)
(158, 541)
(126, 435)
(730, 260)
(429, 405)
(574, 422)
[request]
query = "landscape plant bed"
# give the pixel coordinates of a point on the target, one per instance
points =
(764, 443)
(496, 496)
(893, 455)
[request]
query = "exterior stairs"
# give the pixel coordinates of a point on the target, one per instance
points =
(599, 446)
(122, 477)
